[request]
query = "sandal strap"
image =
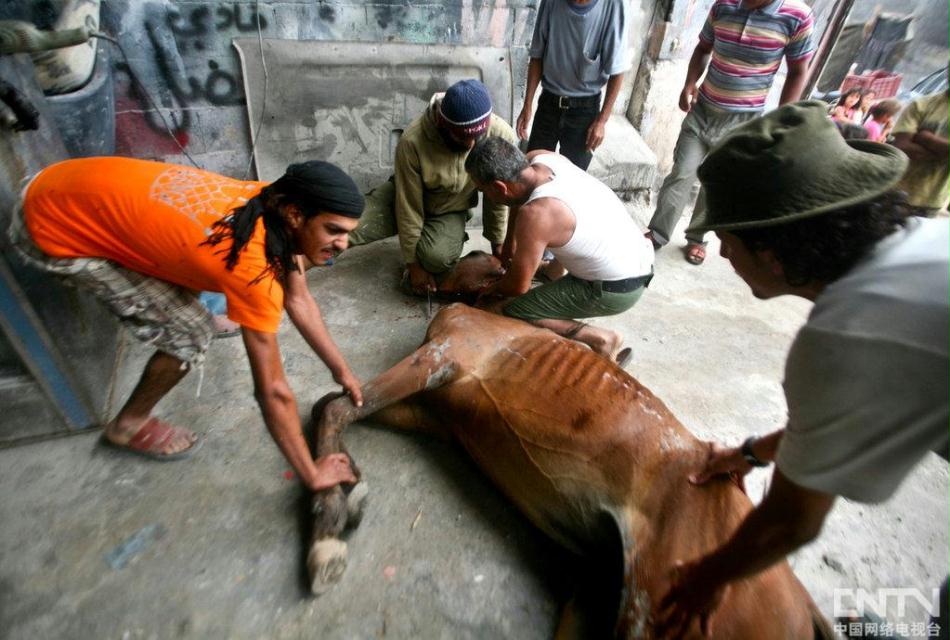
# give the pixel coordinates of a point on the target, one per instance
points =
(575, 329)
(152, 436)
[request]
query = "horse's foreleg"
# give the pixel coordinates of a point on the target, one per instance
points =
(429, 367)
(413, 415)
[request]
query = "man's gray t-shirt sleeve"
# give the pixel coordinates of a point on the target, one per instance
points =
(539, 39)
(861, 413)
(615, 55)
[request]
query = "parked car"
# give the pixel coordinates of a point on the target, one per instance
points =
(933, 83)
(831, 97)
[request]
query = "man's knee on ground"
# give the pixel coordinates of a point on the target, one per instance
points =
(378, 220)
(435, 259)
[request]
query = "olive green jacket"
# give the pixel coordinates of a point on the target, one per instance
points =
(431, 180)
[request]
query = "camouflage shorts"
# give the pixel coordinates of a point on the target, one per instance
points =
(159, 313)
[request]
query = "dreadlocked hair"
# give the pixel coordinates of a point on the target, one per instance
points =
(239, 225)
(824, 247)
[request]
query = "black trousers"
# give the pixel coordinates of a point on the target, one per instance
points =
(564, 121)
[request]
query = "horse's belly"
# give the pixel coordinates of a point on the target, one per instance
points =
(553, 483)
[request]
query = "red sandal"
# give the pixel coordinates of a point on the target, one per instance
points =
(151, 437)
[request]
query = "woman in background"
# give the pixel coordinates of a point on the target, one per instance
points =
(847, 104)
(863, 109)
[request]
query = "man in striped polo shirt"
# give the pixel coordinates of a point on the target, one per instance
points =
(740, 48)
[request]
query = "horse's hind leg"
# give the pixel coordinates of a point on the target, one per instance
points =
(428, 367)
(603, 580)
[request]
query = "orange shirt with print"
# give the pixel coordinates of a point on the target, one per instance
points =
(152, 218)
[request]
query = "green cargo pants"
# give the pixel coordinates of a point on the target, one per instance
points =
(570, 298)
(442, 239)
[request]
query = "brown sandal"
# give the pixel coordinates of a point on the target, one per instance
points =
(623, 357)
(695, 253)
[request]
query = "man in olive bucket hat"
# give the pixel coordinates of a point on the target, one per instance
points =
(801, 211)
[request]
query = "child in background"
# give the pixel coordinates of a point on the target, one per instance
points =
(864, 107)
(847, 103)
(881, 119)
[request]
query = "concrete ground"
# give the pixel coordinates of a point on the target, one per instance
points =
(95, 543)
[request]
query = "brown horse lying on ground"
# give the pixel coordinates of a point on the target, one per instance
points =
(588, 454)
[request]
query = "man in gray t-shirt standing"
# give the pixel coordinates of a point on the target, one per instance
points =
(578, 47)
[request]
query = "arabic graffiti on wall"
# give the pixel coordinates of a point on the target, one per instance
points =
(181, 54)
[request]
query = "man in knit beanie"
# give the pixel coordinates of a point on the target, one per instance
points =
(429, 199)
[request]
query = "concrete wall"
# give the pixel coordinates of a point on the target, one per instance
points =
(181, 51)
(931, 16)
(78, 332)
(660, 74)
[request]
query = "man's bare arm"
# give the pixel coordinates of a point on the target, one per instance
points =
(595, 133)
(794, 81)
(306, 316)
(936, 145)
(789, 517)
(697, 67)
(534, 230)
(535, 67)
(279, 408)
(724, 461)
(508, 248)
(905, 142)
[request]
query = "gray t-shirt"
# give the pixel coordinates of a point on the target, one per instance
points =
(866, 379)
(580, 46)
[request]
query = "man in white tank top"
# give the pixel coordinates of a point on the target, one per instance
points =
(557, 206)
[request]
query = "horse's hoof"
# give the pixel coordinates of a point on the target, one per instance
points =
(355, 502)
(326, 563)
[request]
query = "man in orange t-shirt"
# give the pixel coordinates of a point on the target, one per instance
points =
(145, 237)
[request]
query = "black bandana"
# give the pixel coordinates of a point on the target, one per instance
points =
(326, 186)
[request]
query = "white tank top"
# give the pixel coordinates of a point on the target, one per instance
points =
(606, 244)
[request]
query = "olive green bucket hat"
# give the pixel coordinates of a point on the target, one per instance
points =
(790, 164)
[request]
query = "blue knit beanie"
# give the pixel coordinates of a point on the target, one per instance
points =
(466, 107)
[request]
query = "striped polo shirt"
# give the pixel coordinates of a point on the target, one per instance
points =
(747, 48)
